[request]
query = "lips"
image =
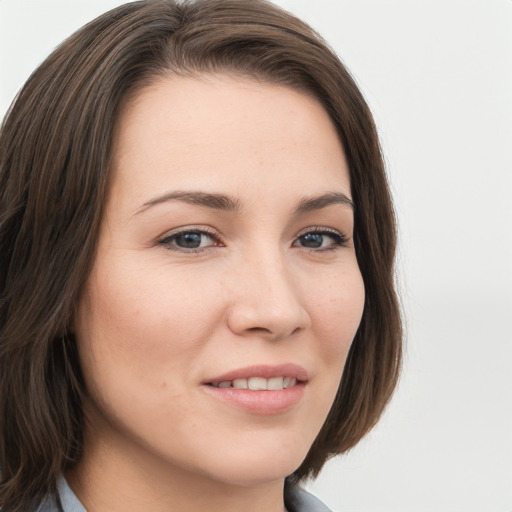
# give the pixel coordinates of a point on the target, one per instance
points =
(261, 389)
(288, 372)
(259, 383)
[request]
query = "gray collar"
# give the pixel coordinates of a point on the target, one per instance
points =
(66, 501)
(303, 501)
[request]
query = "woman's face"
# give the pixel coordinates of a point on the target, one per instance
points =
(225, 262)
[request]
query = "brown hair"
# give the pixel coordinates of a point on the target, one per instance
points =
(55, 150)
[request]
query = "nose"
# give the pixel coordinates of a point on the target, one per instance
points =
(266, 300)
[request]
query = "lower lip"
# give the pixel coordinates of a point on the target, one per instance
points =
(259, 402)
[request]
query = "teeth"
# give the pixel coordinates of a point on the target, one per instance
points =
(260, 383)
(275, 383)
(240, 383)
(257, 383)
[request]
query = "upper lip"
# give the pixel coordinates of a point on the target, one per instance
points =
(290, 370)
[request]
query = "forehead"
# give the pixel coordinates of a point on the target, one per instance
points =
(218, 131)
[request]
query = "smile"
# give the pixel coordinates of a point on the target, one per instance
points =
(259, 383)
(260, 389)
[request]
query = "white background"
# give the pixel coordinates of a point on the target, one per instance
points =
(438, 76)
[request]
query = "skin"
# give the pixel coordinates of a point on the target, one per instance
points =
(155, 320)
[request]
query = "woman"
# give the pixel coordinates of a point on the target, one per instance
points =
(197, 245)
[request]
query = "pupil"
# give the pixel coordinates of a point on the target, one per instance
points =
(189, 240)
(313, 240)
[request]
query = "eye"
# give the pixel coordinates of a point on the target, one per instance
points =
(321, 239)
(189, 240)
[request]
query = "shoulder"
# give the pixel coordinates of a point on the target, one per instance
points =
(303, 501)
(64, 500)
(49, 504)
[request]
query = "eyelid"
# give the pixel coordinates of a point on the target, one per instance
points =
(320, 229)
(165, 239)
(339, 238)
(192, 228)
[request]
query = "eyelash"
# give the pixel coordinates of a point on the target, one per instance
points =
(339, 240)
(209, 232)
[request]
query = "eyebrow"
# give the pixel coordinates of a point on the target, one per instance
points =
(309, 204)
(233, 205)
(209, 200)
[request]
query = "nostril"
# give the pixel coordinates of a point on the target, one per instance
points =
(259, 330)
(267, 319)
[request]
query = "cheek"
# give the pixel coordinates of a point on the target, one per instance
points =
(337, 313)
(336, 310)
(142, 327)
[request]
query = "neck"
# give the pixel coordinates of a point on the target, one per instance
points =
(119, 480)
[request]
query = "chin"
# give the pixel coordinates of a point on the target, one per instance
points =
(255, 475)
(244, 466)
